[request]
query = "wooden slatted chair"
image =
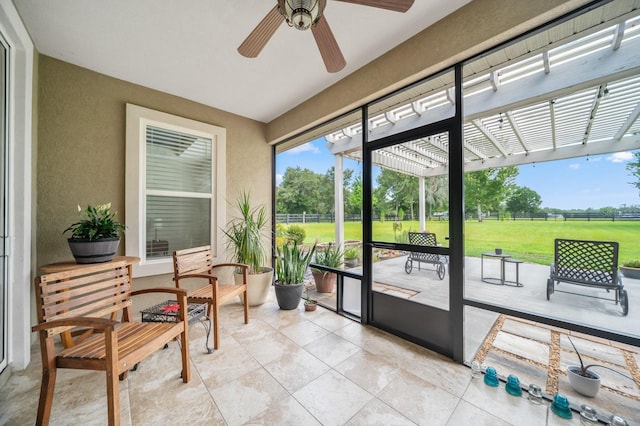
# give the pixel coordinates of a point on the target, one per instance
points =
(84, 300)
(198, 263)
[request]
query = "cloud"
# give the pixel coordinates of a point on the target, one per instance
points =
(307, 147)
(620, 157)
(574, 166)
(279, 177)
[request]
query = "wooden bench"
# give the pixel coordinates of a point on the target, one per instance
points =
(88, 300)
(589, 264)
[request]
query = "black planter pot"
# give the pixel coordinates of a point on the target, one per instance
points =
(93, 251)
(288, 296)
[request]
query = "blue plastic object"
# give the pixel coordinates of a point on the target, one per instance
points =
(560, 406)
(513, 386)
(491, 377)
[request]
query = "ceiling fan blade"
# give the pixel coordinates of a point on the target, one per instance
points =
(261, 34)
(394, 5)
(329, 49)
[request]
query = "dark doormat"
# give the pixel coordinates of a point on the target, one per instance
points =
(540, 354)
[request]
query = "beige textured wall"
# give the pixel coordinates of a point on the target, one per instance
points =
(81, 147)
(470, 30)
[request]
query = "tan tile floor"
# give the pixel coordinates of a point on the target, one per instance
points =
(283, 368)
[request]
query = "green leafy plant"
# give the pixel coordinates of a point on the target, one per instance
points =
(292, 262)
(331, 256)
(307, 299)
(244, 234)
(99, 223)
(351, 252)
(632, 264)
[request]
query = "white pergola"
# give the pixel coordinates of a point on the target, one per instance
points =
(567, 92)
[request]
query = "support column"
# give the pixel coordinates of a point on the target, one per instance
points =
(339, 199)
(421, 204)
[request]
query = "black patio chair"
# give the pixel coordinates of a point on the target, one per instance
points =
(590, 264)
(425, 239)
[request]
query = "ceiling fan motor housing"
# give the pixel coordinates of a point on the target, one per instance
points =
(300, 14)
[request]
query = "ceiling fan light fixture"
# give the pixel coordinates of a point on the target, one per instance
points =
(300, 14)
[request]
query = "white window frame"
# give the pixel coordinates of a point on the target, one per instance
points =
(19, 214)
(138, 118)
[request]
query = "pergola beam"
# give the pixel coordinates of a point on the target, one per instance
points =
(593, 70)
(594, 111)
(598, 68)
(552, 116)
(628, 143)
(628, 123)
(517, 132)
(487, 134)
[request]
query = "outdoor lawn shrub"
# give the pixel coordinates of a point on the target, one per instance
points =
(280, 241)
(296, 233)
(632, 264)
(281, 230)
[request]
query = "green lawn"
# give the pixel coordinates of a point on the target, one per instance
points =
(531, 241)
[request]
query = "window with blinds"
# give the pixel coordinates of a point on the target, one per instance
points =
(173, 188)
(178, 191)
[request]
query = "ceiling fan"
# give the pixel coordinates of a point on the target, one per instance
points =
(305, 14)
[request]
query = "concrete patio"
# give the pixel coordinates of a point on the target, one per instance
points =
(423, 286)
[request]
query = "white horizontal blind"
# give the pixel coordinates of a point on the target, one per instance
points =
(178, 191)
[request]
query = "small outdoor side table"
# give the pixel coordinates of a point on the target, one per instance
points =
(169, 310)
(504, 259)
(492, 255)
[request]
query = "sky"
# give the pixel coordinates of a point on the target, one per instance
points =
(580, 183)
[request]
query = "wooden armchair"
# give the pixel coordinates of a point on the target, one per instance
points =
(197, 263)
(85, 300)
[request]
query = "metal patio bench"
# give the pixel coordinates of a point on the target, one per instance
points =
(590, 264)
(425, 239)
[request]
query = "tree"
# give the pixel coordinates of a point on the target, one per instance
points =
(326, 191)
(487, 189)
(436, 194)
(303, 190)
(353, 201)
(524, 200)
(634, 168)
(298, 191)
(396, 190)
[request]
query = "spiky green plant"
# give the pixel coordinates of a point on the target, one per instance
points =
(292, 262)
(330, 256)
(244, 234)
(99, 223)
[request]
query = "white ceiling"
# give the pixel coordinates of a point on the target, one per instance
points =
(188, 48)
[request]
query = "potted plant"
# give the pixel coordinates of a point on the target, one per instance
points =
(292, 262)
(245, 240)
(582, 379)
(631, 269)
(95, 238)
(331, 256)
(351, 254)
(310, 304)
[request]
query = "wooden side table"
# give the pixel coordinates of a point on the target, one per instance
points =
(71, 265)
